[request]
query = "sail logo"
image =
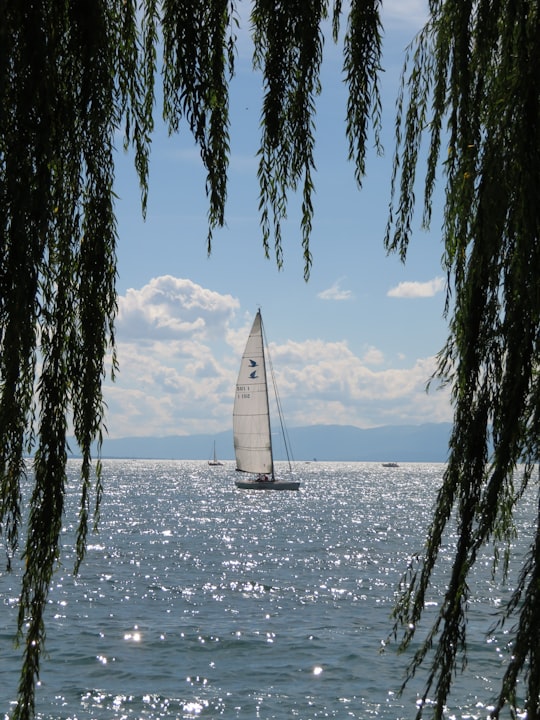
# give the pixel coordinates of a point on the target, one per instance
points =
(253, 364)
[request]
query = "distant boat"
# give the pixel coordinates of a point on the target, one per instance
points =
(214, 460)
(390, 464)
(251, 419)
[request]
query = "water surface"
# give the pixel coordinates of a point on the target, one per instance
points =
(198, 600)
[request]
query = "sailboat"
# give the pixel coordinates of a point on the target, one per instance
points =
(251, 419)
(214, 460)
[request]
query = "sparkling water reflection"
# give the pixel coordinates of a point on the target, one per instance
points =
(200, 600)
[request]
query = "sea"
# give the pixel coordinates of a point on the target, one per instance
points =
(199, 600)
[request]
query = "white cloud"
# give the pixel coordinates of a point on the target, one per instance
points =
(417, 289)
(335, 292)
(412, 13)
(173, 308)
(179, 346)
(332, 385)
(373, 356)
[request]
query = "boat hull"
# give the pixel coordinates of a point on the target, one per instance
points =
(267, 485)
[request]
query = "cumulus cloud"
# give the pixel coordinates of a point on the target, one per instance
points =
(412, 13)
(173, 308)
(335, 292)
(335, 386)
(417, 289)
(173, 344)
(179, 346)
(373, 356)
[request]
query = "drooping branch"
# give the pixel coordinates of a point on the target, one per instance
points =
(199, 44)
(58, 274)
(72, 76)
(362, 66)
(472, 70)
(288, 49)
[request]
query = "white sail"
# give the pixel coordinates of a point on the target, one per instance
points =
(251, 418)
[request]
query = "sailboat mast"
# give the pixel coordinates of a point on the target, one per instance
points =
(252, 432)
(263, 339)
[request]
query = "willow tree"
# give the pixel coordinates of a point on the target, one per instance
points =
(76, 75)
(474, 82)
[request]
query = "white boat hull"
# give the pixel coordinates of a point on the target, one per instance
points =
(267, 484)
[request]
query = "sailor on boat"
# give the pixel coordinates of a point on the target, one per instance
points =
(264, 478)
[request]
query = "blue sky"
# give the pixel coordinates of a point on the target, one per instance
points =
(355, 345)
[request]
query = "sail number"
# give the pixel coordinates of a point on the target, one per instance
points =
(243, 391)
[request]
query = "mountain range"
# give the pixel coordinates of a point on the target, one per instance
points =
(399, 443)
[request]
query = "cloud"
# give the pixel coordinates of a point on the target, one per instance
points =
(179, 346)
(373, 356)
(331, 385)
(411, 13)
(335, 293)
(173, 308)
(417, 289)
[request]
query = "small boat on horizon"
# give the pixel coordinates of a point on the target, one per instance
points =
(390, 464)
(214, 461)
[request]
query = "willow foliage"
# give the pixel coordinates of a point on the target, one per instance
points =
(76, 76)
(473, 81)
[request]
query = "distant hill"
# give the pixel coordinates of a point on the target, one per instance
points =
(400, 443)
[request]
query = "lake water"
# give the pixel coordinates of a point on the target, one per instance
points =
(198, 600)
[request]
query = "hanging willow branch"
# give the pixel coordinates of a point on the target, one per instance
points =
(57, 278)
(72, 77)
(199, 42)
(289, 43)
(475, 69)
(288, 48)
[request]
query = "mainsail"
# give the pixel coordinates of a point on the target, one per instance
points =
(251, 417)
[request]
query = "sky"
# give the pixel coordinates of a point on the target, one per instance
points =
(355, 345)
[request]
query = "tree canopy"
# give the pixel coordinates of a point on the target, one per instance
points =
(474, 67)
(74, 74)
